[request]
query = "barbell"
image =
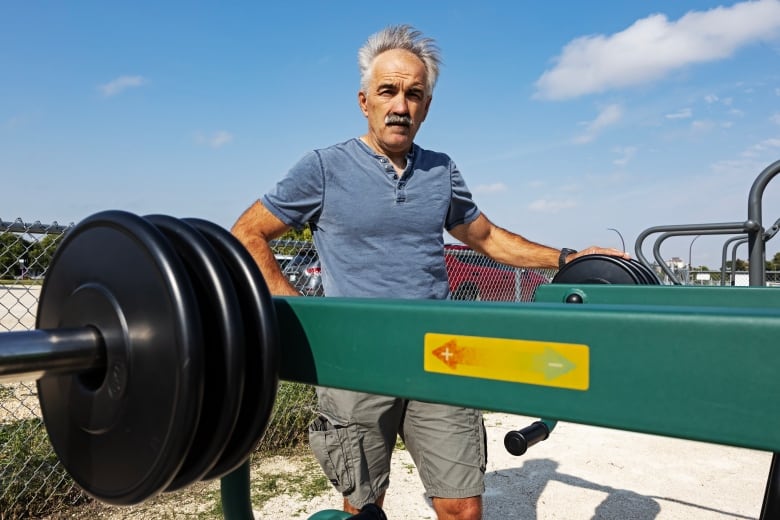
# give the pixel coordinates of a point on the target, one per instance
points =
(156, 351)
(604, 269)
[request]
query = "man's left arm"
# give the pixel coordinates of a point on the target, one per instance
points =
(515, 250)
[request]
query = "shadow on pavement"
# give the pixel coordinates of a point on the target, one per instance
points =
(515, 493)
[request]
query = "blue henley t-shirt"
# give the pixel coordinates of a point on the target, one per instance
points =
(377, 235)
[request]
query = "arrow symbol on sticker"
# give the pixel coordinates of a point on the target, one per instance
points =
(545, 361)
(528, 361)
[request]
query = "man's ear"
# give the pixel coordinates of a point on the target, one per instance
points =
(363, 102)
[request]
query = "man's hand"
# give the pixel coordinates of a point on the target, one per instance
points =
(595, 250)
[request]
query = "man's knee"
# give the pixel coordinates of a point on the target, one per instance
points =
(458, 508)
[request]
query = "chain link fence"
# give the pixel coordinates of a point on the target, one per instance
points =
(32, 482)
(472, 276)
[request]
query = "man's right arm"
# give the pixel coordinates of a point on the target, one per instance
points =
(254, 229)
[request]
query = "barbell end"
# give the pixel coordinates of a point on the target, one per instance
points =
(34, 354)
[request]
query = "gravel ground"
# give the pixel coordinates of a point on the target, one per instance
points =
(579, 473)
(585, 473)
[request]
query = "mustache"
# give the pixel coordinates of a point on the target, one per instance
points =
(398, 119)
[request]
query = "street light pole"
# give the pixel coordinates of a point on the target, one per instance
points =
(690, 250)
(622, 242)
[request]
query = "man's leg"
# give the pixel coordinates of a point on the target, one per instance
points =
(449, 449)
(353, 440)
(349, 508)
(458, 508)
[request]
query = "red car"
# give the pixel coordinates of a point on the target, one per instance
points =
(474, 276)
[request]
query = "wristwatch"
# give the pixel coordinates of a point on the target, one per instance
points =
(565, 252)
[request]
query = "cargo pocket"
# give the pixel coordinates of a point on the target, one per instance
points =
(330, 444)
(483, 445)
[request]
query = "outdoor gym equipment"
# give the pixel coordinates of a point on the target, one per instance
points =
(144, 326)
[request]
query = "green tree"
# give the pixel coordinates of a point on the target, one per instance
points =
(290, 242)
(304, 235)
(774, 263)
(13, 248)
(741, 265)
(41, 253)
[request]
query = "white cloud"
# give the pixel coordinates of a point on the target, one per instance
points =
(569, 188)
(653, 47)
(710, 98)
(551, 206)
(215, 140)
(777, 92)
(608, 116)
(684, 113)
(496, 187)
(626, 154)
(775, 118)
(766, 145)
(702, 125)
(115, 86)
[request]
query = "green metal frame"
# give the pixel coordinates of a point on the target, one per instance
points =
(689, 362)
(666, 295)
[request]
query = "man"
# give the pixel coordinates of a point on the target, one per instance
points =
(378, 206)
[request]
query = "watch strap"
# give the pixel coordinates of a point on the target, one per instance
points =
(565, 252)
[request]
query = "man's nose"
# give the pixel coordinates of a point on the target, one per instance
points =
(400, 105)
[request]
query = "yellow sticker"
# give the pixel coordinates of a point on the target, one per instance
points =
(562, 365)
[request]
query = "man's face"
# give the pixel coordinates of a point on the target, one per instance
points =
(396, 100)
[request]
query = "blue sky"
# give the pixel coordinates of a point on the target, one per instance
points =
(566, 118)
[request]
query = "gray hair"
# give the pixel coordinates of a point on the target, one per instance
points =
(403, 37)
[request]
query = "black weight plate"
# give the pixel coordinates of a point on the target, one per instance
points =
(223, 347)
(650, 277)
(123, 433)
(262, 347)
(640, 273)
(597, 269)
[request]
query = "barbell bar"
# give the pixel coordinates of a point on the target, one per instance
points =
(38, 353)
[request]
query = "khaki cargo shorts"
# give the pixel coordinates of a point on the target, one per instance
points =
(354, 436)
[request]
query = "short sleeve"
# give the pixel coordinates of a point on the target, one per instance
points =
(297, 197)
(463, 209)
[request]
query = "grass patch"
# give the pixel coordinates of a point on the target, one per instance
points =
(34, 484)
(300, 476)
(32, 481)
(214, 497)
(6, 281)
(289, 424)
